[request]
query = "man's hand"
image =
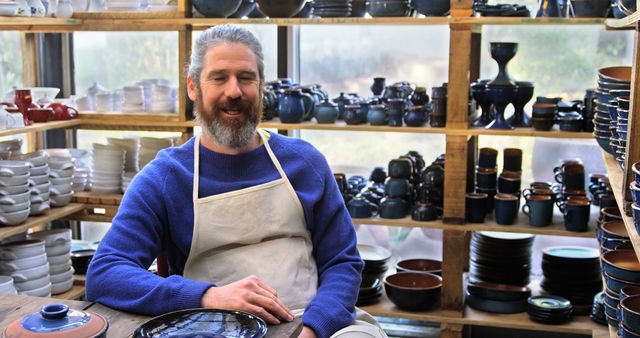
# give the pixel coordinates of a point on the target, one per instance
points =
(307, 332)
(251, 295)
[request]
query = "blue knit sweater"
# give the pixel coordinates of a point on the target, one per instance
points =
(156, 215)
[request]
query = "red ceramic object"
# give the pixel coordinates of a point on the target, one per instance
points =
(40, 114)
(23, 100)
(62, 112)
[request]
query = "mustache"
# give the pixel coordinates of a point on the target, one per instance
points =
(236, 104)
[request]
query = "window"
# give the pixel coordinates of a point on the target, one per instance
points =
(10, 62)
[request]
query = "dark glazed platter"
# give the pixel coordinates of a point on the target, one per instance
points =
(203, 323)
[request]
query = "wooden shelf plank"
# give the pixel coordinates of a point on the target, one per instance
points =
(41, 127)
(578, 325)
(51, 215)
(132, 121)
(494, 20)
(87, 16)
(615, 178)
(341, 125)
(204, 23)
(554, 133)
(76, 292)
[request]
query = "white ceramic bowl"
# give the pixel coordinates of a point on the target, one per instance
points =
(58, 249)
(13, 168)
(62, 181)
(59, 259)
(14, 180)
(60, 165)
(60, 268)
(60, 200)
(39, 179)
(40, 188)
(15, 199)
(63, 276)
(44, 291)
(102, 190)
(40, 198)
(15, 207)
(61, 189)
(40, 92)
(42, 170)
(31, 273)
(60, 287)
(39, 208)
(13, 189)
(53, 237)
(22, 263)
(37, 159)
(61, 173)
(32, 284)
(14, 218)
(21, 249)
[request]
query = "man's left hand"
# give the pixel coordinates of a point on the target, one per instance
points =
(307, 332)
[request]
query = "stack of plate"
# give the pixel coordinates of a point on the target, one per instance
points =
(39, 181)
(130, 146)
(572, 272)
(26, 262)
(497, 298)
(106, 169)
(58, 250)
(597, 311)
(127, 177)
(14, 192)
(549, 309)
(500, 257)
(133, 99)
(332, 8)
(612, 82)
(375, 267)
(162, 99)
(61, 173)
(149, 148)
(82, 161)
(621, 269)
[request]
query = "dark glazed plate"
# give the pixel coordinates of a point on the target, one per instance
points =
(203, 323)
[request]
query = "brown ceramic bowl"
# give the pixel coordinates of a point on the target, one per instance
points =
(40, 114)
(615, 229)
(630, 308)
(413, 291)
(622, 264)
(420, 265)
(615, 74)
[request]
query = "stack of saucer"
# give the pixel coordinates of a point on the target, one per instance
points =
(573, 273)
(332, 8)
(133, 99)
(149, 148)
(500, 257)
(549, 309)
(58, 250)
(39, 182)
(375, 267)
(162, 99)
(106, 169)
(26, 262)
(497, 298)
(61, 175)
(14, 192)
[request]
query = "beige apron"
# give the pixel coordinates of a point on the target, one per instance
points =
(259, 230)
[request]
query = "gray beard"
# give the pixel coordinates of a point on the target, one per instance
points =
(229, 136)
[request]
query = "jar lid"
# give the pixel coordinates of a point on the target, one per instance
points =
(56, 319)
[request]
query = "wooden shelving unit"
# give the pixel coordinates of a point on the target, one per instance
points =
(51, 215)
(37, 127)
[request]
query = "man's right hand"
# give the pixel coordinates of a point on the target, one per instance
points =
(251, 295)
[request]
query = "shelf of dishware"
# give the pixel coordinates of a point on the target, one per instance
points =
(578, 324)
(342, 126)
(36, 127)
(615, 178)
(167, 21)
(50, 215)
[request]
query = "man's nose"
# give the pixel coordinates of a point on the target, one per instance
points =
(232, 89)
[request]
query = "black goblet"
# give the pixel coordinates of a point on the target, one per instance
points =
(503, 52)
(524, 93)
(500, 97)
(478, 94)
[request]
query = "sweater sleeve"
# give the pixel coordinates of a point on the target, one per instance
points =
(118, 275)
(337, 258)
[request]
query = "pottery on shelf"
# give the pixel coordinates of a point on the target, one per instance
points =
(524, 93)
(479, 95)
(500, 97)
(503, 52)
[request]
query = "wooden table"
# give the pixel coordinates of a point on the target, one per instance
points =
(121, 324)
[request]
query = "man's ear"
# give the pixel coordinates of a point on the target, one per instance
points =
(191, 89)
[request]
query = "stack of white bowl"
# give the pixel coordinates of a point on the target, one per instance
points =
(61, 173)
(149, 148)
(6, 286)
(106, 169)
(162, 99)
(105, 102)
(26, 262)
(82, 161)
(58, 249)
(133, 99)
(127, 177)
(14, 192)
(39, 183)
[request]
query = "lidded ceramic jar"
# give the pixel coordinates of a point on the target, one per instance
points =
(326, 112)
(57, 320)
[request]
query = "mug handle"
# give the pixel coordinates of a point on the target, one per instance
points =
(75, 112)
(374, 209)
(526, 193)
(526, 209)
(559, 177)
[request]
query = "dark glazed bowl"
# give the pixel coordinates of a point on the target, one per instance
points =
(413, 291)
(420, 265)
(431, 7)
(377, 8)
(622, 265)
(80, 260)
(280, 8)
(246, 7)
(217, 8)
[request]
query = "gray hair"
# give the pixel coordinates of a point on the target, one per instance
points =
(218, 35)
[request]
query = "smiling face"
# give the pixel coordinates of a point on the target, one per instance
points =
(227, 97)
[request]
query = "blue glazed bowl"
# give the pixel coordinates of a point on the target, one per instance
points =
(431, 7)
(216, 8)
(380, 8)
(280, 8)
(246, 7)
(622, 265)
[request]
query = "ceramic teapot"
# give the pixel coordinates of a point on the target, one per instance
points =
(62, 112)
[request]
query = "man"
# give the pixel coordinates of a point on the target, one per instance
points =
(250, 220)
